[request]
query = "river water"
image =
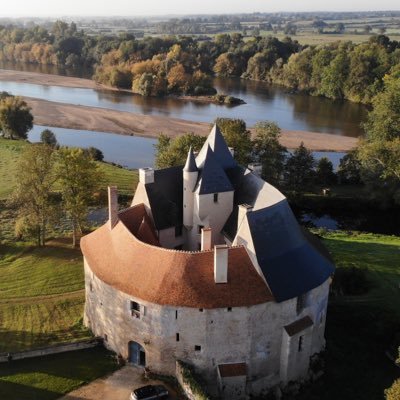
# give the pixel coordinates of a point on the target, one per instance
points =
(263, 102)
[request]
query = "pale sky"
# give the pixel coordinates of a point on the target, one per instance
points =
(32, 8)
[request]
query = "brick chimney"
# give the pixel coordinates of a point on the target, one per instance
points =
(221, 263)
(206, 239)
(112, 206)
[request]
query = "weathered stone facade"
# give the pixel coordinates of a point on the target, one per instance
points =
(254, 335)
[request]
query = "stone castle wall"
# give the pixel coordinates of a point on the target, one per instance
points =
(253, 335)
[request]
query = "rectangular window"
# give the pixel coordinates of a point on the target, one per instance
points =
(301, 303)
(215, 197)
(177, 337)
(201, 310)
(135, 309)
(176, 314)
(178, 230)
(199, 228)
(301, 343)
(197, 348)
(229, 308)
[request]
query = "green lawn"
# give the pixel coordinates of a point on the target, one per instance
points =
(10, 151)
(41, 296)
(361, 328)
(50, 377)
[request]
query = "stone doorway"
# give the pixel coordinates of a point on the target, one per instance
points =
(137, 355)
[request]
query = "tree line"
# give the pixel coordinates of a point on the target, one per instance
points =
(374, 163)
(171, 64)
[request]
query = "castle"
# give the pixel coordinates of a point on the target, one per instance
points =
(209, 266)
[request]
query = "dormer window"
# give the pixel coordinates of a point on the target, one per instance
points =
(215, 197)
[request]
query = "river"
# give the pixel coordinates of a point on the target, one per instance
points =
(263, 102)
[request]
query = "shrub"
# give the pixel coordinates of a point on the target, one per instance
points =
(393, 393)
(350, 281)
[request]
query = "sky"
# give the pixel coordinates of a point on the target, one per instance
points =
(35, 8)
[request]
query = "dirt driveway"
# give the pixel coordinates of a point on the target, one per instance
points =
(117, 386)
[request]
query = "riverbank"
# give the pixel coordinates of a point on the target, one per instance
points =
(107, 120)
(71, 116)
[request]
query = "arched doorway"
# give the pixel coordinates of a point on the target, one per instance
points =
(137, 355)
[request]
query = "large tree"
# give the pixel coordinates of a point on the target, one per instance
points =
(79, 178)
(16, 118)
(299, 170)
(268, 151)
(173, 152)
(33, 194)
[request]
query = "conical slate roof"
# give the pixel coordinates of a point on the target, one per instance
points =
(190, 165)
(213, 178)
(220, 149)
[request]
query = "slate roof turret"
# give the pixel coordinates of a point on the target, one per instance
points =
(217, 143)
(190, 165)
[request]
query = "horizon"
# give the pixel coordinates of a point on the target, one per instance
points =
(125, 8)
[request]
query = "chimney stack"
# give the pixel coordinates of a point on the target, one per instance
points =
(206, 239)
(256, 168)
(243, 210)
(221, 263)
(112, 206)
(146, 175)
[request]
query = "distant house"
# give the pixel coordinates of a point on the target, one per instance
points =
(209, 266)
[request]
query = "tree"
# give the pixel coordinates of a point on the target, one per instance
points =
(383, 122)
(33, 193)
(380, 169)
(236, 136)
(95, 153)
(268, 151)
(299, 169)
(173, 152)
(324, 174)
(48, 137)
(15, 118)
(78, 177)
(349, 169)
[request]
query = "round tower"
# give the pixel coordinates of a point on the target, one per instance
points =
(190, 174)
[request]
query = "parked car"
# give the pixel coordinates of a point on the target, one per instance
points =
(149, 392)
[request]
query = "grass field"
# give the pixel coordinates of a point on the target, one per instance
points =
(48, 378)
(361, 328)
(41, 296)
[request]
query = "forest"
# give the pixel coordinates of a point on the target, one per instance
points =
(160, 65)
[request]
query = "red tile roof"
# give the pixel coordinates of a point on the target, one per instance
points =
(168, 277)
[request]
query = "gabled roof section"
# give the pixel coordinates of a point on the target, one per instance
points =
(213, 178)
(165, 197)
(220, 149)
(291, 264)
(190, 165)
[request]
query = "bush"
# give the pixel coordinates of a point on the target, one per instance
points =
(393, 393)
(350, 281)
